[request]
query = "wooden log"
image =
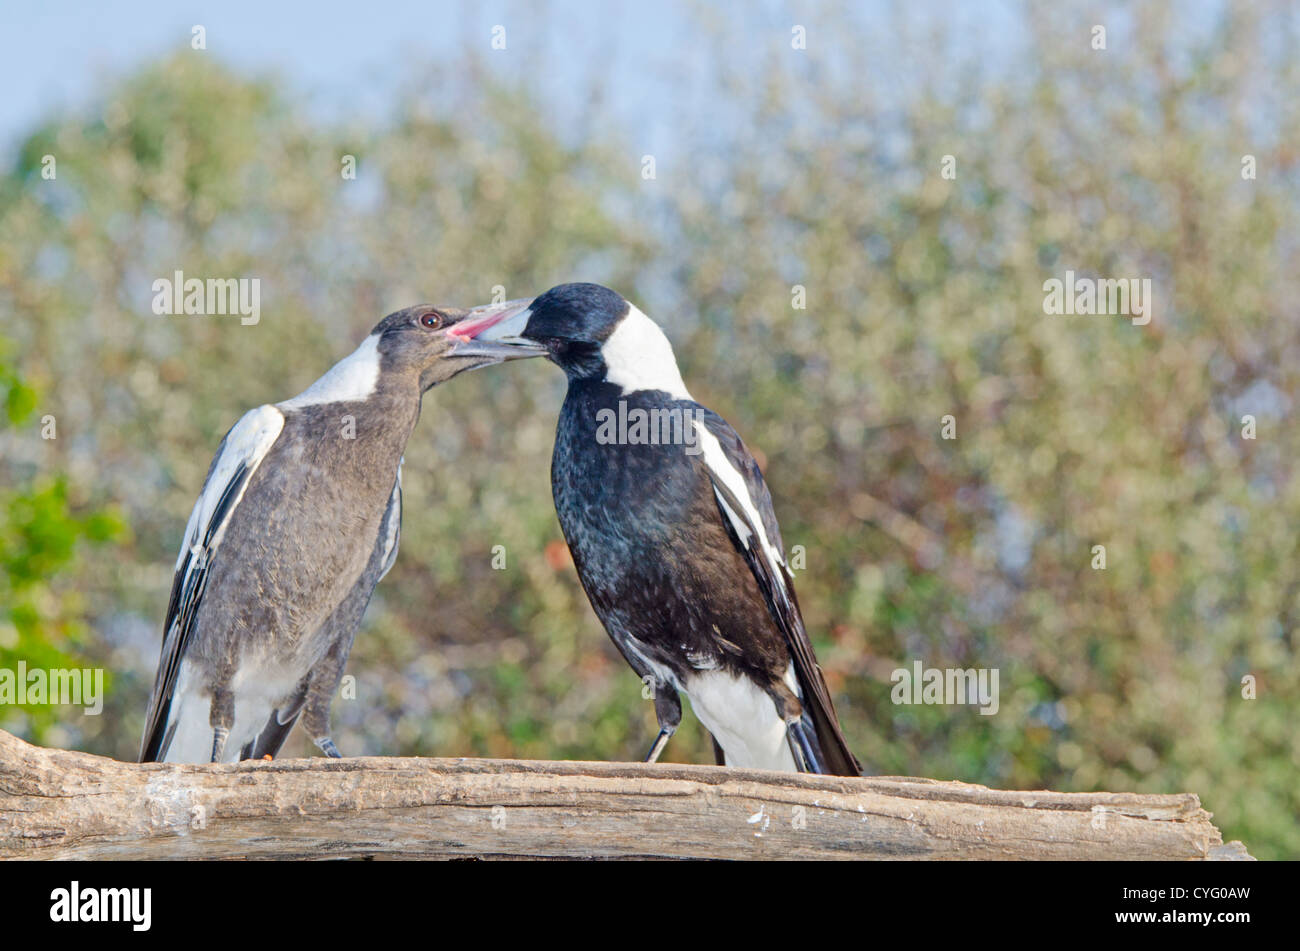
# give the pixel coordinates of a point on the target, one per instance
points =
(57, 804)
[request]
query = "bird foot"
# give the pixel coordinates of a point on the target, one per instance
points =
(328, 748)
(219, 735)
(660, 742)
(805, 756)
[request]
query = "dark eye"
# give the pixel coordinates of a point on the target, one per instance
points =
(433, 321)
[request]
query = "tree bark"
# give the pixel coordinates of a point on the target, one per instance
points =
(56, 804)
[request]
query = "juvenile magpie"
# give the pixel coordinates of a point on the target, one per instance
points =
(297, 522)
(673, 535)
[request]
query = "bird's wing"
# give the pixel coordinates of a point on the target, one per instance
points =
(390, 529)
(241, 452)
(746, 509)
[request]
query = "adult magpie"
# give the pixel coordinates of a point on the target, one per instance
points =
(297, 522)
(673, 534)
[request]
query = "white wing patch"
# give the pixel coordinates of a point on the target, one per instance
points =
(351, 379)
(723, 471)
(639, 357)
(738, 523)
(246, 445)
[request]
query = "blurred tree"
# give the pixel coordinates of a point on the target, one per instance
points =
(924, 299)
(42, 614)
(465, 195)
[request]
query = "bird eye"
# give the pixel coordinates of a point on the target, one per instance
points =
(433, 321)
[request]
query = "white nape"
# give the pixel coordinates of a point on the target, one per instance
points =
(351, 379)
(247, 443)
(639, 357)
(721, 470)
(742, 718)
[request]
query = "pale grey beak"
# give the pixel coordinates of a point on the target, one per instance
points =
(495, 331)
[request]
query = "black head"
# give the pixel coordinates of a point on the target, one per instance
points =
(571, 321)
(575, 314)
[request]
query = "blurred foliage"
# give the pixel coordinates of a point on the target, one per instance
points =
(924, 299)
(42, 614)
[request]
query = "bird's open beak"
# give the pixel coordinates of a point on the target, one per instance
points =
(495, 331)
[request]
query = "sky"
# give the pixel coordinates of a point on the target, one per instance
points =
(346, 58)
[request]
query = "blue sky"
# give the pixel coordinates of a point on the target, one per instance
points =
(652, 61)
(347, 57)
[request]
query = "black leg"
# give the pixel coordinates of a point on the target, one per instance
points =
(668, 711)
(805, 753)
(219, 735)
(660, 742)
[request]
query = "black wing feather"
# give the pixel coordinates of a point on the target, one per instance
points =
(182, 613)
(778, 592)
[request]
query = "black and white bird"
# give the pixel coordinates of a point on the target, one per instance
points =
(674, 538)
(297, 522)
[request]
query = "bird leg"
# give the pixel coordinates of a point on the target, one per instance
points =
(660, 742)
(790, 710)
(805, 753)
(221, 717)
(324, 681)
(219, 736)
(668, 710)
(719, 756)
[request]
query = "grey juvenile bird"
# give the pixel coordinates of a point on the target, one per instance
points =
(297, 522)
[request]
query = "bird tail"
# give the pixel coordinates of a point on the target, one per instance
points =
(157, 740)
(278, 727)
(268, 742)
(830, 759)
(818, 731)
